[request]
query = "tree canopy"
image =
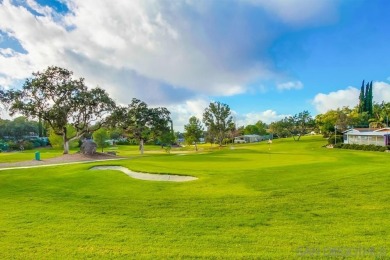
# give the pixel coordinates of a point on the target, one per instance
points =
(257, 129)
(17, 128)
(218, 120)
(100, 137)
(58, 99)
(193, 131)
(294, 126)
(141, 122)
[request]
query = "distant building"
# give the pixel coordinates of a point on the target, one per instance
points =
(375, 136)
(251, 138)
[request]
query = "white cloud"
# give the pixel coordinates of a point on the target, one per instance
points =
(267, 116)
(163, 52)
(333, 100)
(289, 85)
(381, 91)
(349, 97)
(5, 82)
(181, 113)
(141, 48)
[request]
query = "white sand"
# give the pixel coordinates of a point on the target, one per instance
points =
(147, 176)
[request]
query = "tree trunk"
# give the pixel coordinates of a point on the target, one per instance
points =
(196, 147)
(66, 141)
(141, 146)
(66, 146)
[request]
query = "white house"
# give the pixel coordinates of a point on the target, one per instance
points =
(251, 138)
(375, 136)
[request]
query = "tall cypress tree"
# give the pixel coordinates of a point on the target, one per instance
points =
(361, 99)
(369, 98)
(366, 99)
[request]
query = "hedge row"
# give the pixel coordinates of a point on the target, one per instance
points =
(363, 147)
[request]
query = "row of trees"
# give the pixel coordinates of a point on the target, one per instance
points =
(220, 126)
(344, 118)
(218, 121)
(365, 99)
(17, 128)
(295, 126)
(60, 101)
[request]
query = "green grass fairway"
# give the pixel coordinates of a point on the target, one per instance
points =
(284, 201)
(46, 153)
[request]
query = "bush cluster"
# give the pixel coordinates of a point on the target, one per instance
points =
(123, 142)
(362, 147)
(339, 139)
(26, 144)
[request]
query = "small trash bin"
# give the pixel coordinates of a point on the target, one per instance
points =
(37, 156)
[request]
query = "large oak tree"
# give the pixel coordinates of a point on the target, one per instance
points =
(60, 100)
(141, 122)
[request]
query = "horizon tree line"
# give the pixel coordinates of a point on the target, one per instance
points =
(59, 101)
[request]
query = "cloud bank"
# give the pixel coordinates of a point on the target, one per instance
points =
(158, 51)
(349, 97)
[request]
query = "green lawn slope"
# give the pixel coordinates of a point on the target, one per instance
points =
(285, 200)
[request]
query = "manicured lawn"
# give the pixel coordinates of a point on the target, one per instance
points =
(46, 153)
(289, 200)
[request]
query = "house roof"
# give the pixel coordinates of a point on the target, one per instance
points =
(368, 131)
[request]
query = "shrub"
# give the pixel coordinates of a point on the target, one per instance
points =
(3, 146)
(12, 145)
(122, 142)
(339, 139)
(363, 147)
(26, 145)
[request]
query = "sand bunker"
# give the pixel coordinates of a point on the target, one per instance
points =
(147, 176)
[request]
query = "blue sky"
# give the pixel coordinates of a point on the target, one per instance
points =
(265, 59)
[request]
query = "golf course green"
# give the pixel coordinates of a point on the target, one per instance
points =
(283, 200)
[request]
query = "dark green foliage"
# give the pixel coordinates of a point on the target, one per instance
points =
(142, 123)
(218, 120)
(365, 99)
(257, 129)
(100, 137)
(362, 147)
(339, 139)
(57, 99)
(3, 146)
(123, 142)
(193, 131)
(361, 99)
(295, 126)
(17, 128)
(369, 100)
(20, 145)
(27, 145)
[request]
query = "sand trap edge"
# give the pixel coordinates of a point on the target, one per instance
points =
(147, 176)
